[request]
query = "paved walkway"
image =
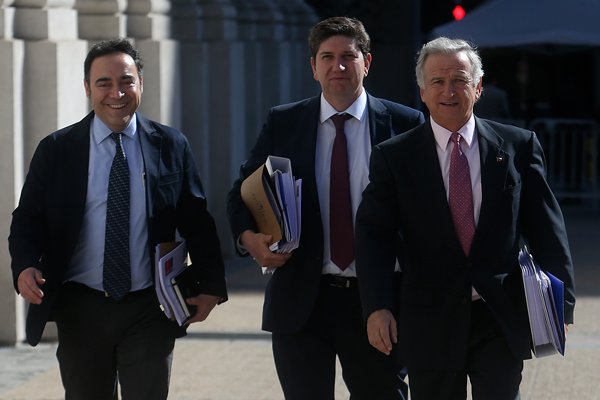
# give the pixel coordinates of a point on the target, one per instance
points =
(229, 358)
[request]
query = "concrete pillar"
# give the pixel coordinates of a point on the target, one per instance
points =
(149, 24)
(271, 36)
(11, 165)
(254, 86)
(53, 94)
(101, 19)
(300, 18)
(161, 99)
(223, 107)
(149, 19)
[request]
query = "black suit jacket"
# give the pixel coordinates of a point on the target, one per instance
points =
(47, 221)
(291, 131)
(406, 198)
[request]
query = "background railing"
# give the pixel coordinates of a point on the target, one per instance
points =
(571, 147)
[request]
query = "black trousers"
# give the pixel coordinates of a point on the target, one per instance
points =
(305, 360)
(493, 370)
(101, 341)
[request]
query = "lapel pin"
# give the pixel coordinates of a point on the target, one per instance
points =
(499, 158)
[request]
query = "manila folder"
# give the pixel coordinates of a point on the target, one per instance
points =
(259, 199)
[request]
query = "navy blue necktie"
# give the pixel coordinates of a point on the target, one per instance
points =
(117, 269)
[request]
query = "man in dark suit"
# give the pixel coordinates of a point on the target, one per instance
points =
(457, 232)
(311, 301)
(62, 236)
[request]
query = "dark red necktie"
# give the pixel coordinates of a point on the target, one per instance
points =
(341, 231)
(460, 195)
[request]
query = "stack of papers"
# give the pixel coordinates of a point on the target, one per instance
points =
(544, 294)
(273, 196)
(171, 263)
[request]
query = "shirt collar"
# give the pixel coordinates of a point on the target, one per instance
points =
(442, 135)
(100, 131)
(356, 109)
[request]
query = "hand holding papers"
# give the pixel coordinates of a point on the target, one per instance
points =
(273, 197)
(544, 294)
(174, 281)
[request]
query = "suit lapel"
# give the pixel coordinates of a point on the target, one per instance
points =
(494, 163)
(425, 165)
(151, 143)
(306, 148)
(379, 121)
(75, 173)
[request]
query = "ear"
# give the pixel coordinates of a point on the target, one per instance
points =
(368, 59)
(313, 65)
(87, 88)
(141, 84)
(478, 89)
(421, 91)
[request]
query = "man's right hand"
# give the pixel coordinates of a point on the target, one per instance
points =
(382, 330)
(257, 245)
(29, 283)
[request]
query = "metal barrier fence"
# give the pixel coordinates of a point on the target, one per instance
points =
(571, 147)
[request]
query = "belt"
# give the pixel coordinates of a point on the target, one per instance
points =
(80, 287)
(348, 282)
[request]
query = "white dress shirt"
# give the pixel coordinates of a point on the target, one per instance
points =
(470, 148)
(359, 150)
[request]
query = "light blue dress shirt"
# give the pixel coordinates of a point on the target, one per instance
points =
(86, 265)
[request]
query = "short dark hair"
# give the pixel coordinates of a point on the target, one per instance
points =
(345, 26)
(106, 47)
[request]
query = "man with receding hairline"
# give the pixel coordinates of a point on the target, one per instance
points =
(99, 195)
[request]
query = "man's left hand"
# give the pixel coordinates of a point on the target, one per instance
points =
(204, 303)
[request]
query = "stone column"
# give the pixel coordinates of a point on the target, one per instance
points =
(149, 24)
(254, 115)
(53, 94)
(11, 163)
(222, 107)
(101, 19)
(300, 18)
(271, 36)
(53, 91)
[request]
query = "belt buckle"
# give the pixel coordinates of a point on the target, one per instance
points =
(339, 282)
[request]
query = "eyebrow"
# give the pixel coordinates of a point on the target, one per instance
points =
(107, 79)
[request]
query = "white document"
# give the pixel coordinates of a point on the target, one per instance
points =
(288, 194)
(544, 295)
(171, 259)
(286, 191)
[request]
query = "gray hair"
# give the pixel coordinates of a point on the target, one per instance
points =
(444, 45)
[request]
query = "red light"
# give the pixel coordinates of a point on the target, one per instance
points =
(458, 12)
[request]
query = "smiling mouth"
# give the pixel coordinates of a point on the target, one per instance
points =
(116, 106)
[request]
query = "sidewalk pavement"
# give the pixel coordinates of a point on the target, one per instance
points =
(229, 358)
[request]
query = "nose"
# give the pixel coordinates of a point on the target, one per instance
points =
(449, 89)
(340, 65)
(117, 93)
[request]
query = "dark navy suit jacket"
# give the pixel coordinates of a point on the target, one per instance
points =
(406, 199)
(47, 221)
(291, 131)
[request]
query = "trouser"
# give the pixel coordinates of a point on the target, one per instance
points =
(102, 341)
(306, 360)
